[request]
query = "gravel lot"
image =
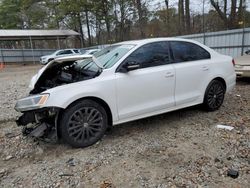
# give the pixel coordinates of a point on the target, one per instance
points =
(178, 149)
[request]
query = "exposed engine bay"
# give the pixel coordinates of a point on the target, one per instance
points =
(42, 123)
(65, 73)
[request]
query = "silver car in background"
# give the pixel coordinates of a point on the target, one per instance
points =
(242, 65)
(59, 53)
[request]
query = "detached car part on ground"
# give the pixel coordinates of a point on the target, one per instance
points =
(77, 100)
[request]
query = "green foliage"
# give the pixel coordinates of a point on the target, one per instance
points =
(9, 14)
(18, 14)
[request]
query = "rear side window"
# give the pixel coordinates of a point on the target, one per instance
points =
(64, 52)
(149, 55)
(67, 52)
(76, 51)
(186, 51)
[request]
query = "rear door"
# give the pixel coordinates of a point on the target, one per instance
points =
(149, 88)
(192, 65)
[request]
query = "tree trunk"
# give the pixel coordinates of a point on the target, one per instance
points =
(116, 23)
(122, 10)
(181, 24)
(222, 15)
(232, 18)
(167, 6)
(105, 11)
(88, 28)
(241, 12)
(108, 29)
(225, 7)
(81, 31)
(187, 12)
(140, 14)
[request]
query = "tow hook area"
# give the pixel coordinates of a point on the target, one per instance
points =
(40, 123)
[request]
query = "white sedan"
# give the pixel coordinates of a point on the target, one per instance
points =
(59, 53)
(77, 100)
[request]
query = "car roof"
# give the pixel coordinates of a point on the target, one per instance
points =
(90, 50)
(145, 41)
(68, 49)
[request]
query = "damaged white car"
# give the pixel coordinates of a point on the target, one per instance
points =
(77, 100)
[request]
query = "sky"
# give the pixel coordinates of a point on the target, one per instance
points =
(195, 5)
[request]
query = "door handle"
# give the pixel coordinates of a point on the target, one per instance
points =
(169, 74)
(205, 68)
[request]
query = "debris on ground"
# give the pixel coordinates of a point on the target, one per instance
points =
(65, 174)
(107, 184)
(233, 173)
(227, 127)
(8, 157)
(71, 162)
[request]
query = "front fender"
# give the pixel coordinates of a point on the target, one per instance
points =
(63, 96)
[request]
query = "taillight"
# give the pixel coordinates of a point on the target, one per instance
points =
(233, 62)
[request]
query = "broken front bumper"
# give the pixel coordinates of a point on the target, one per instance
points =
(40, 123)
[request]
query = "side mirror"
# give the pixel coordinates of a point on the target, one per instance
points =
(130, 66)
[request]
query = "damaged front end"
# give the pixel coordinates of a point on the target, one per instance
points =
(37, 120)
(40, 123)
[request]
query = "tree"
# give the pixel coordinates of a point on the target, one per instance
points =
(9, 18)
(74, 15)
(230, 18)
(181, 17)
(141, 11)
(187, 16)
(123, 10)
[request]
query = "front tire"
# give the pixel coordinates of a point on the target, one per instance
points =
(83, 123)
(214, 95)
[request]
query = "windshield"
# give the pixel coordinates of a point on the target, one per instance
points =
(106, 58)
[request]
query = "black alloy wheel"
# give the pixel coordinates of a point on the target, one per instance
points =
(214, 95)
(83, 123)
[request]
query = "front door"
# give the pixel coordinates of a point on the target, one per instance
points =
(149, 88)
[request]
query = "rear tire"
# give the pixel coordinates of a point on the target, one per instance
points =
(83, 123)
(214, 95)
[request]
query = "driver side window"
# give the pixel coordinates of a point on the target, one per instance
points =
(150, 55)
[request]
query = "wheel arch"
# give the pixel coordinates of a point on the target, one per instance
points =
(96, 99)
(222, 80)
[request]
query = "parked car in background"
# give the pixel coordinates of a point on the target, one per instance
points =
(91, 51)
(242, 65)
(77, 100)
(59, 53)
(86, 55)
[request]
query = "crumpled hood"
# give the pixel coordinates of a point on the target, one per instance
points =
(36, 77)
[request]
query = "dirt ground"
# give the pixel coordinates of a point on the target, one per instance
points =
(177, 149)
